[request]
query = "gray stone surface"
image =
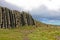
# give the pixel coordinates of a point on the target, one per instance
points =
(12, 18)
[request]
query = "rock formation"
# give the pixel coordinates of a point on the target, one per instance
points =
(12, 18)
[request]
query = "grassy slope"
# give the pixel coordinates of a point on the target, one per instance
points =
(40, 32)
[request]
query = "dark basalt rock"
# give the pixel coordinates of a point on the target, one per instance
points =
(12, 18)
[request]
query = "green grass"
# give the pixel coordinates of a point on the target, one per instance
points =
(30, 33)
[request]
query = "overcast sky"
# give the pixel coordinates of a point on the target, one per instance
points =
(47, 10)
(30, 4)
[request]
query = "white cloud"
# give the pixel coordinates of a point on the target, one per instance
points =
(44, 12)
(48, 9)
(30, 4)
(43, 8)
(26, 4)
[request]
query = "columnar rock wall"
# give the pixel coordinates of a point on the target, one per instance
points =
(12, 18)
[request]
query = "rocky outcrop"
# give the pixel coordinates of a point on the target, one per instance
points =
(12, 18)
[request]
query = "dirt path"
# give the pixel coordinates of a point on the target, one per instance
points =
(57, 37)
(25, 34)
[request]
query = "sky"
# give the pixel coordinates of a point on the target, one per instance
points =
(30, 4)
(47, 11)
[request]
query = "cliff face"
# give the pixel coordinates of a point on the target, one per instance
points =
(12, 18)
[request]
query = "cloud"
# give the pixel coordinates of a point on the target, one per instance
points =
(46, 15)
(48, 12)
(26, 4)
(3, 3)
(30, 4)
(44, 12)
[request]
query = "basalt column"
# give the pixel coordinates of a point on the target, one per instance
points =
(30, 20)
(3, 18)
(0, 16)
(22, 20)
(7, 18)
(25, 17)
(12, 18)
(17, 18)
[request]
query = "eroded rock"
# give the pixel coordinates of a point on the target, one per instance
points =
(12, 18)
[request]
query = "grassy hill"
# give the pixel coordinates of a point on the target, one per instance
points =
(39, 32)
